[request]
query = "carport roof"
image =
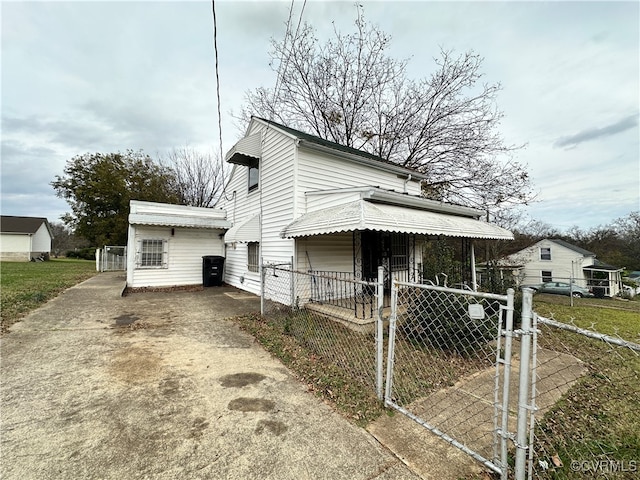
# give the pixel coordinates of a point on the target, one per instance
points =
(364, 215)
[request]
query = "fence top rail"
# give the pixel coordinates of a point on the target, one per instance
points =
(286, 267)
(490, 296)
(588, 333)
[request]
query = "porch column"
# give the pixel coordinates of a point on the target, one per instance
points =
(474, 284)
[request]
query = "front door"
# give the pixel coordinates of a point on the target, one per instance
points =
(387, 249)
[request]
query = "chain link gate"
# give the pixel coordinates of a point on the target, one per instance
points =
(449, 366)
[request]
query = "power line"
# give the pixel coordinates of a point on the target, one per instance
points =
(215, 49)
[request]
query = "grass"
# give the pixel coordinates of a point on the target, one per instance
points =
(345, 382)
(598, 419)
(24, 286)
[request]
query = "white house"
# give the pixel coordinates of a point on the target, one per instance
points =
(167, 243)
(556, 260)
(24, 238)
(294, 197)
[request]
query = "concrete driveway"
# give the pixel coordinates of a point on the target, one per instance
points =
(161, 386)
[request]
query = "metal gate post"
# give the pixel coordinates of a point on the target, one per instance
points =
(262, 278)
(506, 383)
(523, 388)
(379, 333)
(392, 341)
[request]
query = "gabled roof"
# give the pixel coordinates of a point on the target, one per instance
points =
(350, 152)
(579, 250)
(24, 225)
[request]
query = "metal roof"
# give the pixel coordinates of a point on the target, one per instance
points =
(365, 215)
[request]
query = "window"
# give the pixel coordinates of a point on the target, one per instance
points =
(547, 276)
(545, 253)
(254, 175)
(253, 256)
(152, 254)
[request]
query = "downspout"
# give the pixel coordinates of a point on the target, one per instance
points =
(408, 179)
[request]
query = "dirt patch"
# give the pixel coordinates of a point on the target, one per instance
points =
(240, 380)
(126, 319)
(244, 404)
(274, 427)
(135, 365)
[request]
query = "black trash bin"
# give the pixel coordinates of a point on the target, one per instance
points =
(212, 270)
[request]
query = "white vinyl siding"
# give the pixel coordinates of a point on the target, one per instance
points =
(324, 172)
(564, 264)
(184, 252)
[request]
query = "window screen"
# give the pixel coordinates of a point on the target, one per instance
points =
(151, 253)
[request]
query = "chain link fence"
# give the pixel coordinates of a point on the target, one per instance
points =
(332, 315)
(448, 366)
(585, 408)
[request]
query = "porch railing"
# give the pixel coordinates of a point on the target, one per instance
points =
(341, 289)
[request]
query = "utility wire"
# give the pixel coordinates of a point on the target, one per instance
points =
(215, 49)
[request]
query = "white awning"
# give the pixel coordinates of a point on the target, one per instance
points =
(187, 221)
(247, 230)
(363, 215)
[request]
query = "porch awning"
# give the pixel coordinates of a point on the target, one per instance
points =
(364, 215)
(247, 230)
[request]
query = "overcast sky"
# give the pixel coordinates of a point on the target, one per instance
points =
(81, 77)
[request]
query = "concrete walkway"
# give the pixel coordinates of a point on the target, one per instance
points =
(161, 386)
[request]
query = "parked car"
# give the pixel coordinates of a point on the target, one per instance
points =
(562, 288)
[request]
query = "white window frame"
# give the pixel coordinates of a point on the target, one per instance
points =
(252, 186)
(543, 253)
(162, 262)
(548, 277)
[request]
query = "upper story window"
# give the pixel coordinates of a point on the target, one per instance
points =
(545, 253)
(254, 175)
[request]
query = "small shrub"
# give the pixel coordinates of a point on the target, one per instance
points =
(443, 322)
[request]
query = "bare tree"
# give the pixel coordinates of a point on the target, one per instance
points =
(350, 91)
(199, 176)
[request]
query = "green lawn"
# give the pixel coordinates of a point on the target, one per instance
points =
(24, 286)
(598, 419)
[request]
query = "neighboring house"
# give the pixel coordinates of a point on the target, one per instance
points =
(24, 238)
(556, 260)
(167, 243)
(294, 197)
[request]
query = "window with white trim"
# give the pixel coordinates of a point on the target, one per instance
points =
(253, 256)
(547, 276)
(545, 253)
(254, 175)
(152, 253)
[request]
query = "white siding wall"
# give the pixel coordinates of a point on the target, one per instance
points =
(560, 264)
(41, 242)
(185, 251)
(273, 199)
(324, 172)
(326, 252)
(15, 247)
(286, 173)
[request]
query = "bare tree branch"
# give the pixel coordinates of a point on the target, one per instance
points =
(350, 91)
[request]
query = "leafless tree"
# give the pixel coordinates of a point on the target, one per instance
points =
(199, 176)
(350, 91)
